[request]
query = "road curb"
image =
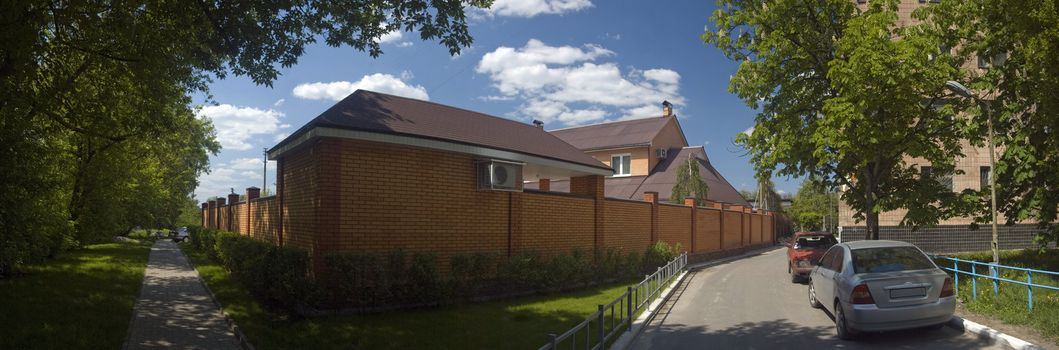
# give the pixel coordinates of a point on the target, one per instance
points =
(637, 327)
(996, 336)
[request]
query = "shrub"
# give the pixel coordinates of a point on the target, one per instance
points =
(523, 271)
(357, 279)
(567, 269)
(288, 276)
(659, 254)
(424, 282)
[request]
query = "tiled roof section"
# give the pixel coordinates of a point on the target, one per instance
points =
(663, 179)
(377, 112)
(613, 134)
(665, 176)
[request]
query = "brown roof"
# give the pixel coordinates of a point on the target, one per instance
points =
(663, 179)
(377, 112)
(613, 134)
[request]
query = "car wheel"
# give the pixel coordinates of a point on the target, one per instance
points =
(844, 331)
(812, 296)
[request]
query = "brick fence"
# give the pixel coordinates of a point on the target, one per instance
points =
(545, 222)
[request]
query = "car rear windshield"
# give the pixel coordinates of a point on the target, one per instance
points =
(889, 259)
(809, 242)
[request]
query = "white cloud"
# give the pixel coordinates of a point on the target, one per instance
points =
(237, 125)
(404, 44)
(390, 37)
(279, 102)
(385, 83)
(280, 136)
(566, 84)
(748, 131)
(531, 8)
(237, 174)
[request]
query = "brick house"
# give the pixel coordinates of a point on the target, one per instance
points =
(380, 173)
(645, 155)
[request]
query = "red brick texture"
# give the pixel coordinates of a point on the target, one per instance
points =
(340, 195)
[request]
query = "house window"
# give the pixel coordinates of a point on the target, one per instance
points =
(983, 177)
(944, 179)
(621, 164)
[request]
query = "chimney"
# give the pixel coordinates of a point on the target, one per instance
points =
(667, 109)
(538, 123)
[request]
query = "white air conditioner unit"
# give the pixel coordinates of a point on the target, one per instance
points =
(498, 175)
(662, 152)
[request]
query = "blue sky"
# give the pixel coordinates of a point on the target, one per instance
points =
(566, 62)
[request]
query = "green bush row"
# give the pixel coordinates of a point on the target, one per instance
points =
(279, 276)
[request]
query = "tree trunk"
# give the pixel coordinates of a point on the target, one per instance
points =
(872, 218)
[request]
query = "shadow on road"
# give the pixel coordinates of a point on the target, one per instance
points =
(783, 334)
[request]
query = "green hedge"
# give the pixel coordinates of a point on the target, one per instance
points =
(279, 276)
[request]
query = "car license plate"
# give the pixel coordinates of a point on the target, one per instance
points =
(907, 293)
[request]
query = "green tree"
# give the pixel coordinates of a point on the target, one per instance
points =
(811, 206)
(1019, 40)
(848, 93)
(96, 127)
(689, 183)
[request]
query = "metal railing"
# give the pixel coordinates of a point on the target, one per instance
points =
(997, 275)
(604, 324)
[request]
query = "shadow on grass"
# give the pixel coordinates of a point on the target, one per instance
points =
(81, 300)
(508, 324)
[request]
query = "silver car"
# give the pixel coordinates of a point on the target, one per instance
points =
(881, 286)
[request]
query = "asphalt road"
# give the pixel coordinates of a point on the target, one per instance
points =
(751, 304)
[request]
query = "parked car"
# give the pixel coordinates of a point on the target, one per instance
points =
(179, 235)
(804, 250)
(881, 286)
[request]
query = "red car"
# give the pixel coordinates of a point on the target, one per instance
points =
(804, 250)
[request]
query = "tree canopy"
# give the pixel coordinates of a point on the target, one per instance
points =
(848, 95)
(97, 126)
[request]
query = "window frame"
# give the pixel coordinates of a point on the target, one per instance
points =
(628, 172)
(985, 173)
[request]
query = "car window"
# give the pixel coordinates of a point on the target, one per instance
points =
(810, 242)
(825, 261)
(888, 259)
(837, 260)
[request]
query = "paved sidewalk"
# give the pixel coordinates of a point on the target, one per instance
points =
(174, 310)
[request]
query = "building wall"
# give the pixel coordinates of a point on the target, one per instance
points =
(669, 137)
(298, 204)
(639, 164)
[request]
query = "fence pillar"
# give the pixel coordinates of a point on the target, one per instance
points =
(593, 186)
(221, 207)
(602, 330)
(252, 193)
(652, 197)
(202, 214)
(233, 198)
(721, 206)
(280, 189)
(211, 214)
(690, 202)
(628, 308)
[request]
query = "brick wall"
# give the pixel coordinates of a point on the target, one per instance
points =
(674, 225)
(237, 217)
(707, 230)
(627, 225)
(554, 223)
(345, 195)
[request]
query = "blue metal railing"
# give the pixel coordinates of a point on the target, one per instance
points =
(602, 325)
(996, 275)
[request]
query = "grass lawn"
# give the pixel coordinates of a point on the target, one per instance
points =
(509, 324)
(82, 300)
(1010, 305)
